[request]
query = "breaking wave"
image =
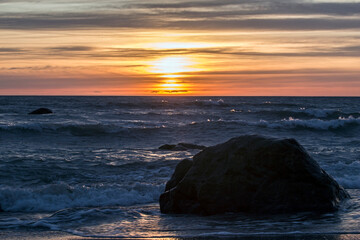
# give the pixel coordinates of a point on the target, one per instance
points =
(292, 123)
(60, 196)
(317, 124)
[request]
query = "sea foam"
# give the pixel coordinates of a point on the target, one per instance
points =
(317, 124)
(59, 196)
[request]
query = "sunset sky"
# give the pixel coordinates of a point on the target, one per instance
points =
(223, 47)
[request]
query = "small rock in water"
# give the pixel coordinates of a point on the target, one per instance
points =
(251, 174)
(181, 147)
(167, 147)
(41, 111)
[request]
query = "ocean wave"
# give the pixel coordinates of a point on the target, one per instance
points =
(268, 104)
(156, 103)
(83, 129)
(143, 221)
(80, 129)
(62, 219)
(349, 181)
(314, 124)
(273, 113)
(290, 123)
(60, 196)
(298, 113)
(165, 112)
(135, 104)
(321, 113)
(209, 102)
(346, 173)
(174, 103)
(317, 124)
(136, 127)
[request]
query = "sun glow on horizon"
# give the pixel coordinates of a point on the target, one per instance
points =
(179, 45)
(171, 84)
(172, 69)
(171, 65)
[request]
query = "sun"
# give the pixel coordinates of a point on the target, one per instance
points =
(171, 65)
(171, 71)
(171, 86)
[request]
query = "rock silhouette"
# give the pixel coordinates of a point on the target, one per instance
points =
(181, 147)
(181, 169)
(252, 174)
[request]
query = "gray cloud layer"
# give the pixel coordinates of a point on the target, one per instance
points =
(207, 15)
(350, 50)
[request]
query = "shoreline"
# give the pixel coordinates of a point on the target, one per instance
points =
(19, 234)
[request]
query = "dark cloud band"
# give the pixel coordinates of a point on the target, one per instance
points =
(189, 15)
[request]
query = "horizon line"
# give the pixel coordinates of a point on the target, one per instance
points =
(319, 96)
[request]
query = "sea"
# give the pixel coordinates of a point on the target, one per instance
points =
(93, 167)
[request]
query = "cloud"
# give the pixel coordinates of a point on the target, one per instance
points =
(170, 91)
(191, 4)
(32, 68)
(59, 80)
(257, 7)
(298, 71)
(11, 50)
(140, 54)
(235, 51)
(191, 15)
(354, 49)
(290, 24)
(71, 48)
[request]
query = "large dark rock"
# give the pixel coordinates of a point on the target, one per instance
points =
(251, 174)
(181, 169)
(41, 111)
(181, 147)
